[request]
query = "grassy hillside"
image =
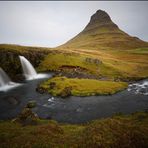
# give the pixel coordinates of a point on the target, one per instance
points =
(102, 33)
(114, 64)
(122, 56)
(119, 131)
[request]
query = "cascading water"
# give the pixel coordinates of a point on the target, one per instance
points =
(5, 81)
(4, 78)
(29, 71)
(139, 88)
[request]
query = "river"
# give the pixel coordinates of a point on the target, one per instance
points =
(72, 109)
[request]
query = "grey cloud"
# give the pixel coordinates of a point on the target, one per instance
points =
(53, 23)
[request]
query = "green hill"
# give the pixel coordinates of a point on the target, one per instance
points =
(102, 33)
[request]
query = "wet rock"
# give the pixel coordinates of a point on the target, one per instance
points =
(12, 100)
(19, 78)
(142, 90)
(40, 90)
(27, 117)
(31, 104)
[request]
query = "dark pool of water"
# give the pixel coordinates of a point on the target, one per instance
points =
(72, 109)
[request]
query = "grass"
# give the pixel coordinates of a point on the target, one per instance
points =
(130, 131)
(116, 64)
(20, 48)
(62, 86)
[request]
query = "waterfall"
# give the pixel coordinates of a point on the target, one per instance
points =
(5, 81)
(4, 78)
(28, 69)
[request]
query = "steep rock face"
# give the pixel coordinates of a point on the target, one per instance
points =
(100, 19)
(102, 33)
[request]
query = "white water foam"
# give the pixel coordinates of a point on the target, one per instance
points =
(5, 81)
(9, 86)
(139, 88)
(51, 99)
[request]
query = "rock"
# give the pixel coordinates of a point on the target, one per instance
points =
(31, 104)
(27, 117)
(40, 90)
(100, 16)
(142, 90)
(12, 100)
(93, 61)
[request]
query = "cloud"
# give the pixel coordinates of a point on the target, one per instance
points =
(53, 23)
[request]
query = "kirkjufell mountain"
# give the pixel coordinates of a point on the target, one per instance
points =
(102, 33)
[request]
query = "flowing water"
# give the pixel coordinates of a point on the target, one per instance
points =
(69, 110)
(28, 69)
(5, 81)
(72, 109)
(139, 88)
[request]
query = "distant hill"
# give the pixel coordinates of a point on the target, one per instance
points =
(102, 33)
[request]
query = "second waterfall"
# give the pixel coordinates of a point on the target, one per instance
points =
(29, 71)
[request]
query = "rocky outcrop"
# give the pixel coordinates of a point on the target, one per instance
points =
(93, 61)
(10, 62)
(100, 19)
(27, 117)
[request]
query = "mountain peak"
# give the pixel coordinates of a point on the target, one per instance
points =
(101, 17)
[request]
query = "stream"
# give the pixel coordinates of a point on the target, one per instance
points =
(71, 109)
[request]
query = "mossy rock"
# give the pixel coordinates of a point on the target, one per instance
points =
(31, 104)
(27, 117)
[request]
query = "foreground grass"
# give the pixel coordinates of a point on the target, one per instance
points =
(129, 131)
(62, 86)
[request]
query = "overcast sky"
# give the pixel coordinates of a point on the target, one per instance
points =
(53, 23)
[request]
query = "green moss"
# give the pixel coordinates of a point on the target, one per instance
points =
(129, 131)
(81, 87)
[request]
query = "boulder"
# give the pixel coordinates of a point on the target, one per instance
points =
(27, 117)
